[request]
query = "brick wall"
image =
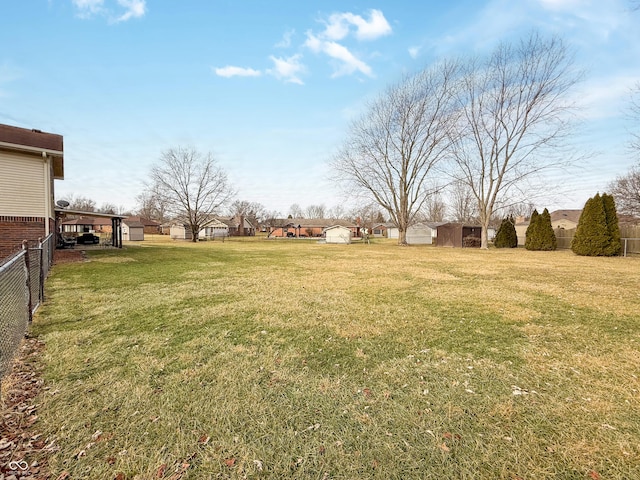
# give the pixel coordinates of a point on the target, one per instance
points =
(13, 230)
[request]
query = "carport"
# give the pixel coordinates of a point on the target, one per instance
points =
(63, 214)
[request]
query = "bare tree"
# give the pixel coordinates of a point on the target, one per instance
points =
(391, 152)
(337, 212)
(515, 120)
(151, 205)
(191, 185)
(79, 202)
(316, 211)
(295, 211)
(367, 215)
(434, 208)
(626, 192)
(462, 203)
(254, 212)
(634, 108)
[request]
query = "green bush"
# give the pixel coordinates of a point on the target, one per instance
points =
(546, 237)
(598, 233)
(540, 234)
(531, 240)
(506, 237)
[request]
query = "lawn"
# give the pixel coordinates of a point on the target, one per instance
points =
(293, 359)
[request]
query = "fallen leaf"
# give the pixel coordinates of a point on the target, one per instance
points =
(230, 462)
(594, 475)
(321, 450)
(120, 476)
(204, 439)
(161, 469)
(444, 447)
(63, 476)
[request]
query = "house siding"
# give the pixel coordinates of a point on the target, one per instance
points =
(23, 188)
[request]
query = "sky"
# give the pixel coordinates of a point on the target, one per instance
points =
(270, 87)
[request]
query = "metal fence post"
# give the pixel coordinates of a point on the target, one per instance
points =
(25, 247)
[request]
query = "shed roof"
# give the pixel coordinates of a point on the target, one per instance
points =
(146, 222)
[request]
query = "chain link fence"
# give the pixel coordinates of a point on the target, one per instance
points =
(21, 292)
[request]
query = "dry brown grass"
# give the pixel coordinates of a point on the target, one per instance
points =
(302, 360)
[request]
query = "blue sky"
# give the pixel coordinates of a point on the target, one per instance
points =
(269, 87)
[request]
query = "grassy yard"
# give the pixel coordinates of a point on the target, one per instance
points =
(291, 359)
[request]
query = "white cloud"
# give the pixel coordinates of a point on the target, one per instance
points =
(91, 8)
(414, 52)
(287, 69)
(339, 26)
(560, 4)
(88, 8)
(134, 9)
(286, 39)
(349, 63)
(231, 71)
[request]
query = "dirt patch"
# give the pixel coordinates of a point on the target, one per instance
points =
(23, 451)
(68, 256)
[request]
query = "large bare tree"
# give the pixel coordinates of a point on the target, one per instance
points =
(626, 191)
(463, 206)
(515, 120)
(391, 152)
(191, 185)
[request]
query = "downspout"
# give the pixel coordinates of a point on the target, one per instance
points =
(48, 193)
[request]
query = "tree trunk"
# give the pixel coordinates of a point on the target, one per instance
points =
(484, 235)
(402, 236)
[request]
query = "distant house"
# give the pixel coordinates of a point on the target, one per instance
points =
(453, 234)
(418, 234)
(560, 220)
(150, 227)
(380, 229)
(338, 234)
(305, 227)
(132, 230)
(239, 226)
(214, 229)
(180, 231)
(30, 160)
(87, 224)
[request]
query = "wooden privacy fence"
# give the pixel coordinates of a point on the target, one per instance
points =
(629, 237)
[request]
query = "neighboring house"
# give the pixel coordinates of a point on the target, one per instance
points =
(30, 160)
(338, 234)
(132, 230)
(303, 227)
(87, 225)
(560, 220)
(565, 219)
(214, 229)
(381, 229)
(239, 226)
(180, 231)
(150, 227)
(453, 234)
(417, 234)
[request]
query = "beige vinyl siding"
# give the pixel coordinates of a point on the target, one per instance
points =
(23, 188)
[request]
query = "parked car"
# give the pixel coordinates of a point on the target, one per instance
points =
(88, 238)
